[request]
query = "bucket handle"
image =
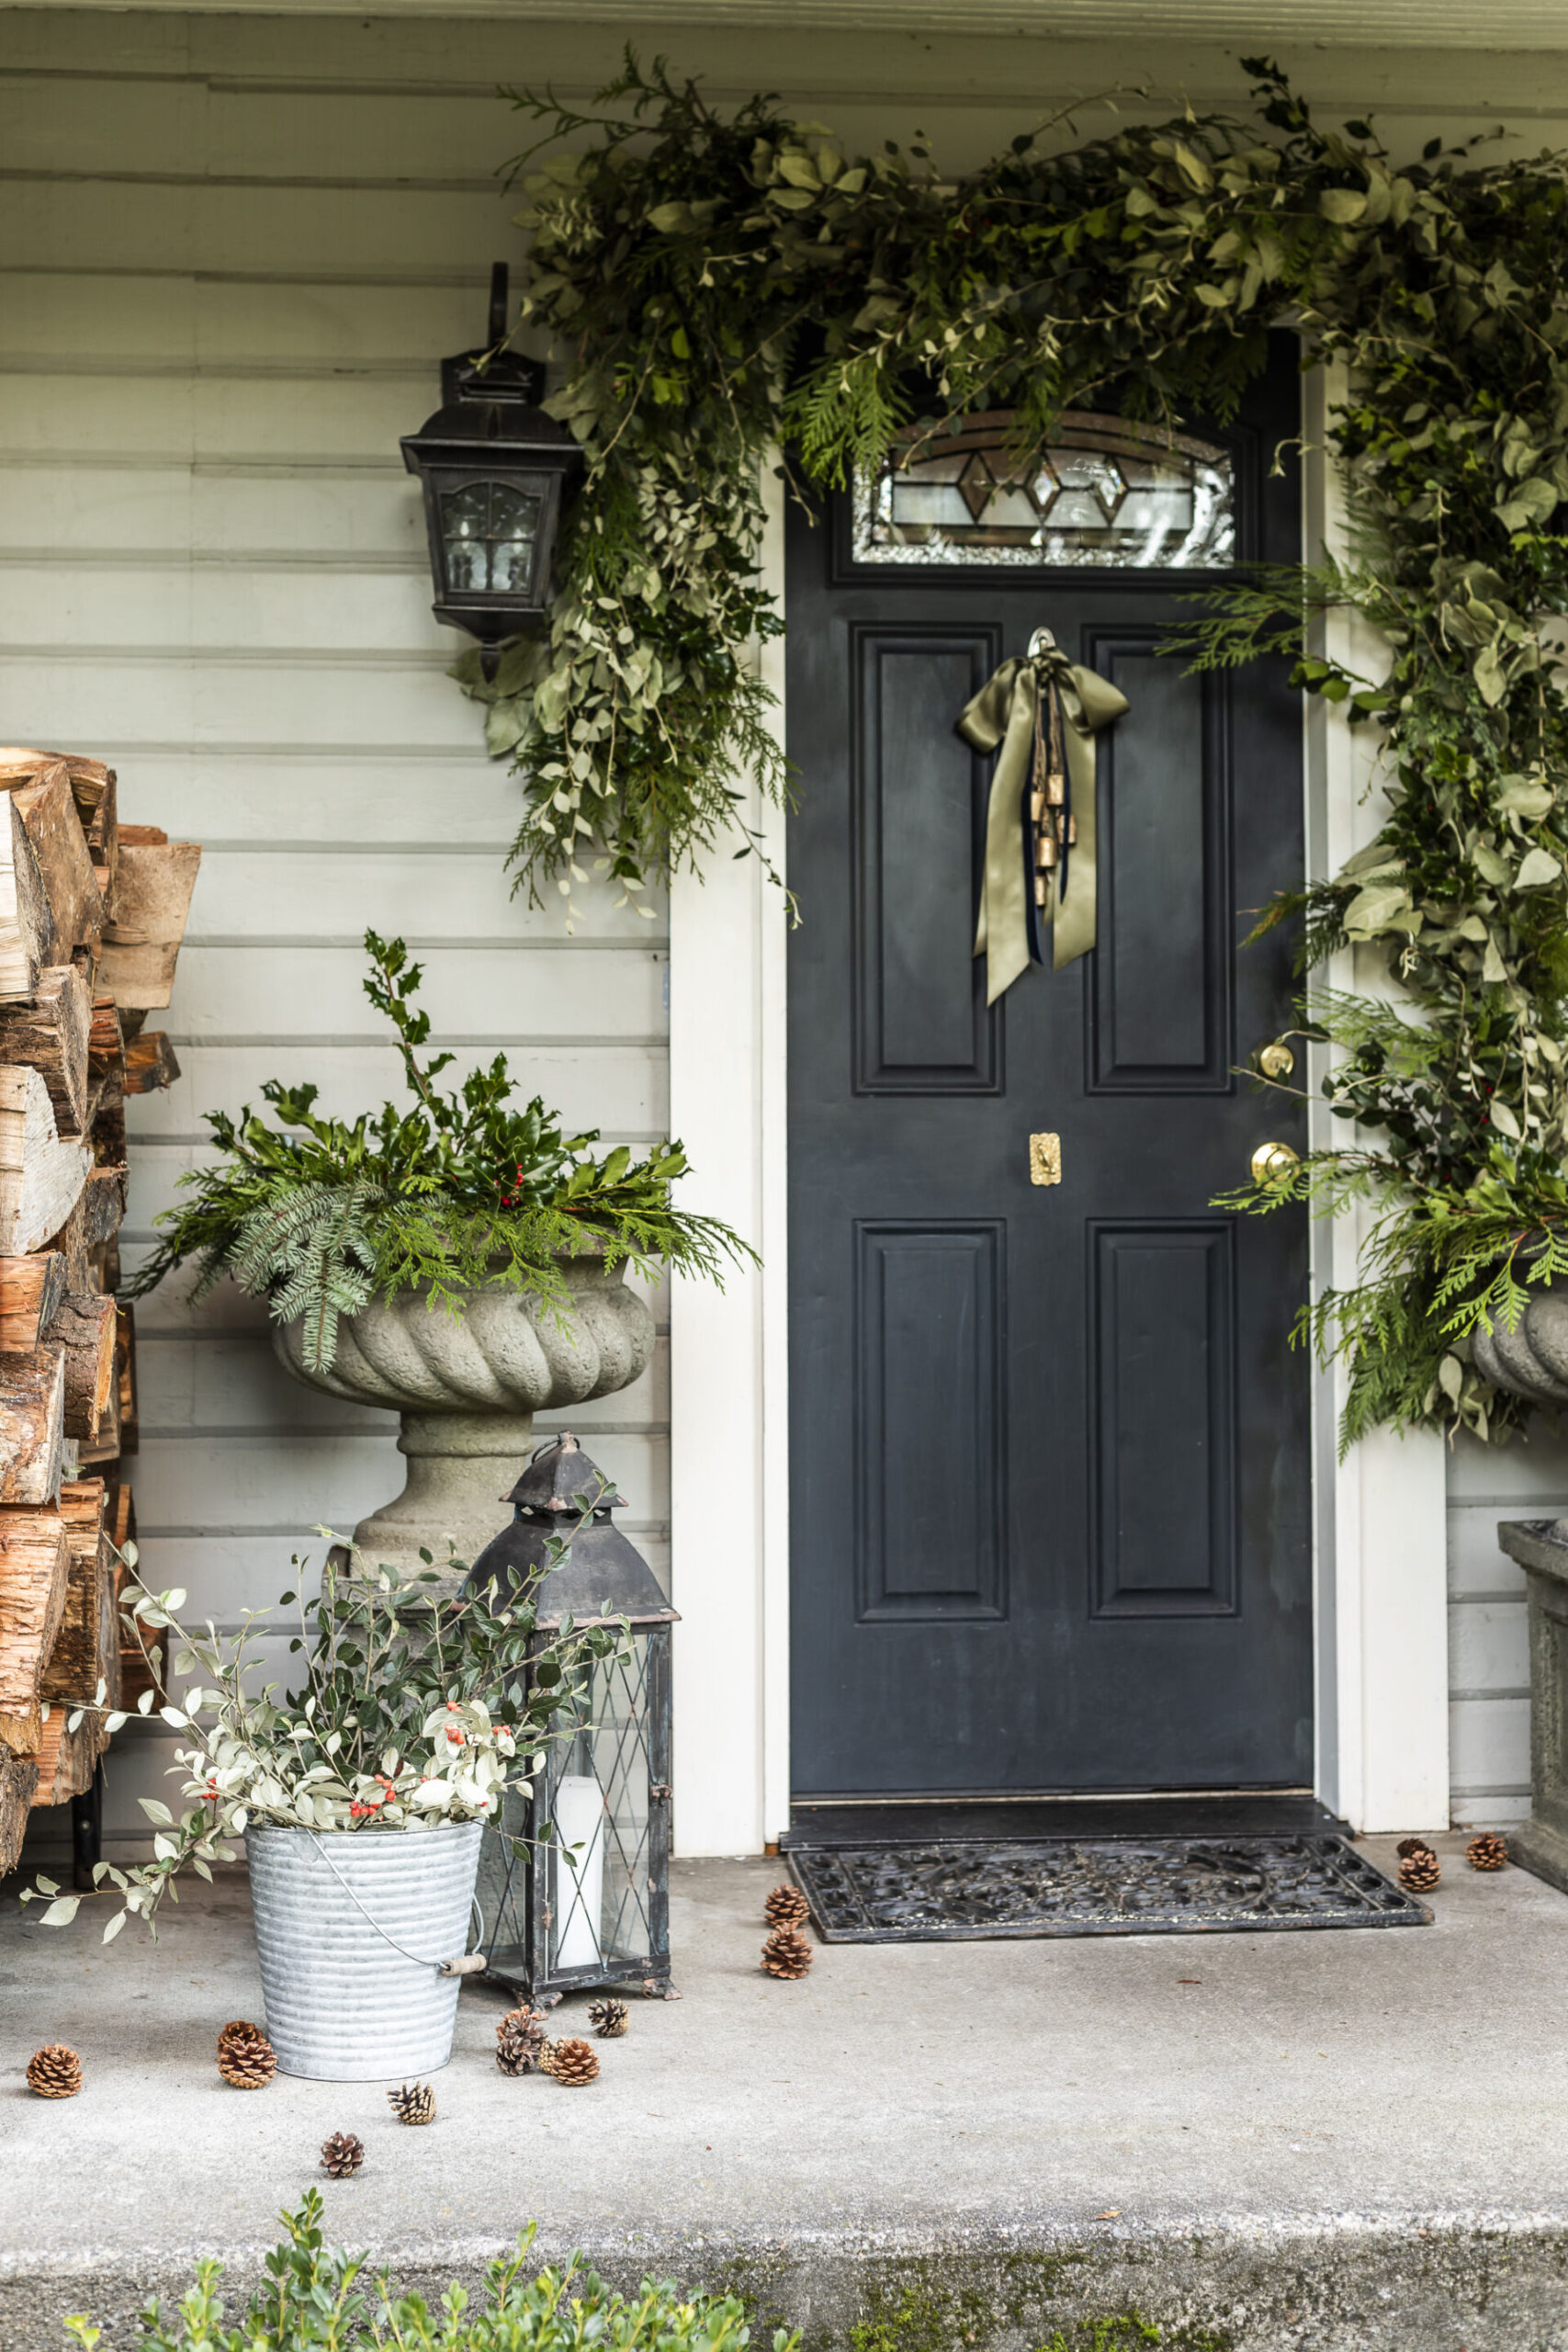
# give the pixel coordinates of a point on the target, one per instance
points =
(465, 1964)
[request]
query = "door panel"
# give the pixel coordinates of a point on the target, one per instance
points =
(930, 1314)
(1050, 1503)
(1161, 995)
(921, 1026)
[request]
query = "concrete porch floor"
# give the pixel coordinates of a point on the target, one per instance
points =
(1340, 2139)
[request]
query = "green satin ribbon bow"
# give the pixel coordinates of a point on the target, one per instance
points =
(1003, 712)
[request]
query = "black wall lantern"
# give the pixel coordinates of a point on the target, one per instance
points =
(495, 470)
(589, 1906)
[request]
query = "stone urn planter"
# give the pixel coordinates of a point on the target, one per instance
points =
(1533, 1359)
(467, 1389)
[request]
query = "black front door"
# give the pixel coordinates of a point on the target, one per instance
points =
(1050, 1489)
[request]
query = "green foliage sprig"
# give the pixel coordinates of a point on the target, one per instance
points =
(320, 2298)
(726, 285)
(318, 1214)
(416, 1708)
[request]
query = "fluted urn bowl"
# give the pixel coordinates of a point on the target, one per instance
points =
(467, 1388)
(1532, 1359)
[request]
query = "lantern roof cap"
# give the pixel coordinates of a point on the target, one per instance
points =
(491, 396)
(561, 1477)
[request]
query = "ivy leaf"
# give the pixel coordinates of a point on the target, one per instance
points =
(1532, 502)
(1524, 796)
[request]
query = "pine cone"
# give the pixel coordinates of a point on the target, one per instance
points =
(1408, 1845)
(519, 2038)
(1420, 1871)
(414, 2103)
(786, 1907)
(608, 2018)
(1487, 1852)
(343, 2154)
(55, 2071)
(246, 2059)
(787, 1953)
(571, 2062)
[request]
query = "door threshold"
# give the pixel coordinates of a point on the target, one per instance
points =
(1184, 1813)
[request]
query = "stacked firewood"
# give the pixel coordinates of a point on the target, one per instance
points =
(92, 913)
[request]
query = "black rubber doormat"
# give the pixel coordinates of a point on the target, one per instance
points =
(956, 1892)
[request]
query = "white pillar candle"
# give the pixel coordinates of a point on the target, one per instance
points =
(580, 1877)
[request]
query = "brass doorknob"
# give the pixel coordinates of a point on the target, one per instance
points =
(1272, 1160)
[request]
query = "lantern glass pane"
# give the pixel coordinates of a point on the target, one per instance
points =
(502, 1891)
(489, 534)
(599, 1865)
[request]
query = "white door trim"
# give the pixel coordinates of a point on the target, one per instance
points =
(1379, 1518)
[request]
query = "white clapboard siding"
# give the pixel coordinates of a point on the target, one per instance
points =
(213, 607)
(250, 511)
(1488, 1651)
(376, 799)
(481, 992)
(227, 276)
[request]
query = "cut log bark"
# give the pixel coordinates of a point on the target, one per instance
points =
(72, 1243)
(85, 1334)
(27, 935)
(66, 1759)
(34, 1563)
(104, 1195)
(156, 879)
(18, 1781)
(31, 1290)
(150, 1062)
(32, 1426)
(106, 1446)
(103, 1265)
(107, 1134)
(106, 1037)
(125, 1376)
(87, 1648)
(51, 1035)
(42, 1174)
(119, 1518)
(54, 828)
(102, 823)
(90, 779)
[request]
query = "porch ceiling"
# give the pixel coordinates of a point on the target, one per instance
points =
(1540, 24)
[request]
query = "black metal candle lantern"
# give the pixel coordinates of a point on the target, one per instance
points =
(495, 468)
(590, 1905)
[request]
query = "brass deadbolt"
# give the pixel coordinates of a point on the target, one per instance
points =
(1272, 1160)
(1277, 1061)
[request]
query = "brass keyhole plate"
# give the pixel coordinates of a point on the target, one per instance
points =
(1044, 1160)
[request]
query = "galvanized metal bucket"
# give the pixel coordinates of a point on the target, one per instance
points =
(353, 1929)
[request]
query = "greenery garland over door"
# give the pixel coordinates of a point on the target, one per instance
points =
(724, 285)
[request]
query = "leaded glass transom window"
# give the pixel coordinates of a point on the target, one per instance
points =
(1106, 492)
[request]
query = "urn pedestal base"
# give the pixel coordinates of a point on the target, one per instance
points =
(466, 1387)
(461, 1467)
(1540, 1547)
